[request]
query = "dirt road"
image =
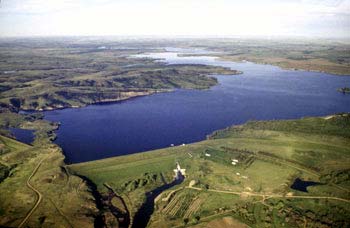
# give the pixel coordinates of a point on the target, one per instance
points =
(36, 192)
(272, 196)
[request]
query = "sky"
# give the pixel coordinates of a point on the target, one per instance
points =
(218, 18)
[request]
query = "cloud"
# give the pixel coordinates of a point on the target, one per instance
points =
(47, 6)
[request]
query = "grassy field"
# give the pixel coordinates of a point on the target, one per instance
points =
(256, 190)
(35, 188)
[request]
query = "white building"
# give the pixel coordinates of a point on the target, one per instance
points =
(178, 170)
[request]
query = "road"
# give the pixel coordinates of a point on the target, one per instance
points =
(273, 196)
(40, 196)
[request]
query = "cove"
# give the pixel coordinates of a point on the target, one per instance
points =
(262, 92)
(23, 135)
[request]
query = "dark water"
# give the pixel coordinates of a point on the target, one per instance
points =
(263, 92)
(143, 215)
(23, 135)
(301, 185)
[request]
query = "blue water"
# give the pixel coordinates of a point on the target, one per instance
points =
(262, 92)
(23, 135)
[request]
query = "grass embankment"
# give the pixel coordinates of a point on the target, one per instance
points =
(35, 188)
(256, 191)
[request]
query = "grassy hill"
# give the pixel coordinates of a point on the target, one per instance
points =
(46, 74)
(256, 190)
(36, 190)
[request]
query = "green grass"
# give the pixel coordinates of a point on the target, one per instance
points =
(12, 145)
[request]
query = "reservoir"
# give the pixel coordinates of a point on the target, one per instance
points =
(262, 92)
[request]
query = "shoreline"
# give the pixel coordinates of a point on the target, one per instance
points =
(239, 59)
(124, 99)
(225, 58)
(106, 101)
(210, 136)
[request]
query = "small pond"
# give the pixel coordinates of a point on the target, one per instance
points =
(301, 185)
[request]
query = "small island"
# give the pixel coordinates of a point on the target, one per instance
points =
(344, 90)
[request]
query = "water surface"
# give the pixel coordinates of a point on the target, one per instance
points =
(23, 135)
(301, 185)
(145, 212)
(262, 92)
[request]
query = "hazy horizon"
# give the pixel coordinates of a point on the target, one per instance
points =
(180, 19)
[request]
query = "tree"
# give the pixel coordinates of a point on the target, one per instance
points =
(186, 220)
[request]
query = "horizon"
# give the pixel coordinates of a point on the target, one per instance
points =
(327, 19)
(180, 37)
